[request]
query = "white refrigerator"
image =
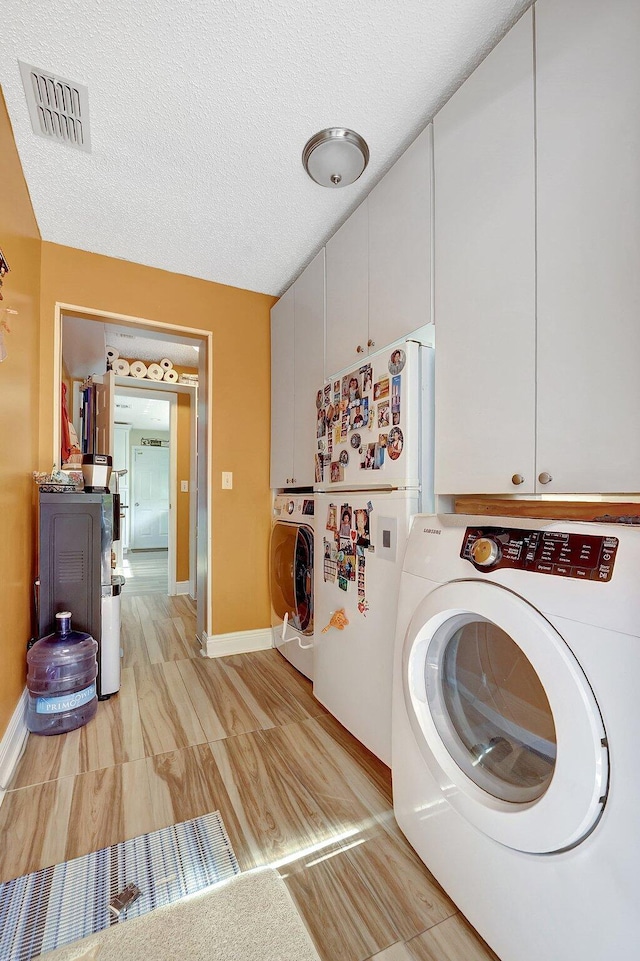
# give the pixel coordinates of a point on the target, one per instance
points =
(374, 472)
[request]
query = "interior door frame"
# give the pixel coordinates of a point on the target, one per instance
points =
(204, 519)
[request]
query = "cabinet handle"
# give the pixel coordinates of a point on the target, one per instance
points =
(293, 480)
(517, 479)
(371, 343)
(359, 349)
(545, 478)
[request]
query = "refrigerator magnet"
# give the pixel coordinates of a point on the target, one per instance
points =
(368, 456)
(355, 440)
(382, 440)
(378, 457)
(367, 377)
(362, 528)
(372, 417)
(321, 424)
(319, 471)
(397, 361)
(395, 393)
(381, 389)
(344, 457)
(346, 516)
(395, 443)
(337, 472)
(354, 390)
(319, 397)
(332, 517)
(383, 414)
(327, 394)
(363, 607)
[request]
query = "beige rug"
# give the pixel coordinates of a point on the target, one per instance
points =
(250, 918)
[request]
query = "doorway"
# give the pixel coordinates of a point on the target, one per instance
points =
(83, 336)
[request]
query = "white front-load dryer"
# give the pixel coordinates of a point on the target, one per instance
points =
(291, 579)
(515, 717)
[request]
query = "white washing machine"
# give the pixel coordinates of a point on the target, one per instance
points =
(291, 579)
(516, 718)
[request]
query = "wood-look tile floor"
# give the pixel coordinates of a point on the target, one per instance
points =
(146, 572)
(243, 735)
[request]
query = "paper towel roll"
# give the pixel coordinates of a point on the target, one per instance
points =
(171, 375)
(155, 372)
(166, 364)
(121, 367)
(112, 354)
(138, 369)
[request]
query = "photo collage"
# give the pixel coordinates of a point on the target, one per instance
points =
(346, 544)
(359, 416)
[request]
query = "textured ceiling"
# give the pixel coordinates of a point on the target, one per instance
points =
(199, 110)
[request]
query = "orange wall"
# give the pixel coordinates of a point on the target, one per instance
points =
(239, 320)
(20, 242)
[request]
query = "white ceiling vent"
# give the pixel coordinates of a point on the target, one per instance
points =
(59, 108)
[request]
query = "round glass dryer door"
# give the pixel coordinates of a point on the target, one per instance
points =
(505, 717)
(492, 712)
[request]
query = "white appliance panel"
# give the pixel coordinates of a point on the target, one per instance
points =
(353, 667)
(573, 902)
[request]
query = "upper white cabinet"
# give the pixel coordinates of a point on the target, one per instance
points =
(297, 370)
(348, 292)
(282, 389)
(379, 263)
(588, 125)
(400, 246)
(485, 275)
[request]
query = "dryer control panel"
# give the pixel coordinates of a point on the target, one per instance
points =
(583, 556)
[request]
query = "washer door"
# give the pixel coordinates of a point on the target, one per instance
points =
(505, 717)
(291, 574)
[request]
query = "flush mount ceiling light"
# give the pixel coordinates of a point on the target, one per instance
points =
(335, 157)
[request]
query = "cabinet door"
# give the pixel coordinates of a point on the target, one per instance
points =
(485, 275)
(400, 246)
(309, 367)
(282, 386)
(348, 293)
(588, 125)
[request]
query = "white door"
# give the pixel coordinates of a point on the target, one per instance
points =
(347, 266)
(400, 246)
(588, 240)
(105, 411)
(309, 367)
(504, 717)
(485, 276)
(150, 507)
(282, 390)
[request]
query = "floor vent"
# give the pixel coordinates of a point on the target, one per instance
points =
(59, 108)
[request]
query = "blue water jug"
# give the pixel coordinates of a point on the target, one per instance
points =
(61, 680)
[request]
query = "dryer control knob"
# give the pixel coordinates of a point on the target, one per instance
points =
(485, 552)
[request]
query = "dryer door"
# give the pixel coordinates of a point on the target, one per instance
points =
(291, 574)
(505, 717)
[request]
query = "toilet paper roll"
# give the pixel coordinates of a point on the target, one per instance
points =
(155, 372)
(121, 367)
(171, 375)
(112, 354)
(166, 364)
(138, 369)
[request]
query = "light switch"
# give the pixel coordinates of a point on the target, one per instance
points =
(227, 480)
(184, 487)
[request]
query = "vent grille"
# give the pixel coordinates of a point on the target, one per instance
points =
(58, 108)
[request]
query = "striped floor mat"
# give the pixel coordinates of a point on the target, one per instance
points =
(48, 908)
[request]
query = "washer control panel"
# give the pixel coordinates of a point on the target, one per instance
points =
(583, 556)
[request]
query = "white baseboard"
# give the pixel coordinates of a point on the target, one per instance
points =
(183, 587)
(238, 642)
(12, 743)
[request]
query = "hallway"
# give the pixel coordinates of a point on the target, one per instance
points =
(243, 735)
